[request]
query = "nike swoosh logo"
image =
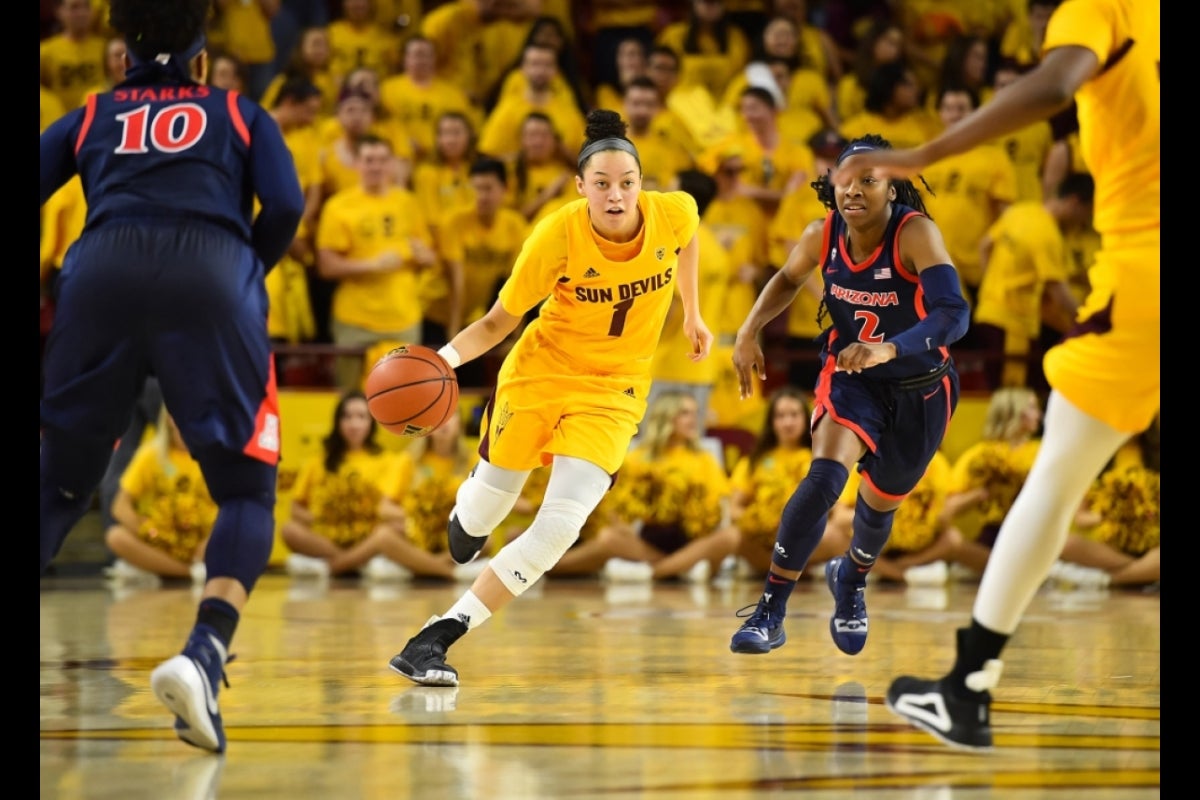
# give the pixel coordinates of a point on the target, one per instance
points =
(209, 697)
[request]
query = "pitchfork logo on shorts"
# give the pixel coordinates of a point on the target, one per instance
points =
(502, 419)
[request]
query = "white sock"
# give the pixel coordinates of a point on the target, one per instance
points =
(1074, 449)
(470, 609)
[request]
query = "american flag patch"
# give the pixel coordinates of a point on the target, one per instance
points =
(883, 273)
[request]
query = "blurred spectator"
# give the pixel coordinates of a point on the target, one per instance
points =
(1022, 39)
(543, 179)
(502, 130)
(373, 240)
(988, 474)
(667, 514)
(662, 158)
(818, 48)
(711, 48)
(778, 66)
(632, 61)
(346, 500)
(51, 107)
(357, 39)
(893, 109)
(882, 43)
(1024, 268)
(967, 194)
(1029, 148)
(456, 29)
(966, 66)
(417, 98)
(671, 370)
(225, 70)
(662, 67)
(244, 29)
(309, 61)
(765, 478)
(162, 513)
(612, 23)
(287, 30)
(290, 316)
(567, 83)
(442, 182)
(477, 246)
(72, 60)
(114, 66)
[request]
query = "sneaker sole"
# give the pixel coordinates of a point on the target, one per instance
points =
(935, 733)
(177, 685)
(754, 648)
(431, 677)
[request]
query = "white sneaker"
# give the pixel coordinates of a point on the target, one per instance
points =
(620, 570)
(199, 573)
(935, 573)
(467, 573)
(700, 572)
(301, 566)
(382, 568)
(123, 573)
(1080, 576)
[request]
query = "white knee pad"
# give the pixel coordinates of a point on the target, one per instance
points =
(480, 507)
(522, 561)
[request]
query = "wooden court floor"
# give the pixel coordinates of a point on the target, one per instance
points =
(581, 689)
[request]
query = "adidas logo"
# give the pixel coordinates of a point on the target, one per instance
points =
(629, 392)
(591, 273)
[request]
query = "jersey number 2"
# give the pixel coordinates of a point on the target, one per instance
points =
(870, 324)
(173, 129)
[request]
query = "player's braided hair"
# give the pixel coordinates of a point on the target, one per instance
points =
(158, 26)
(906, 192)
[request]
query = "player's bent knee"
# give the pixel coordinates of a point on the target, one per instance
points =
(523, 561)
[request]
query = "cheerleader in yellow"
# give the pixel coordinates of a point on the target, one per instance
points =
(924, 540)
(571, 392)
(988, 474)
(162, 514)
(1115, 541)
(346, 501)
(442, 462)
(667, 513)
(765, 478)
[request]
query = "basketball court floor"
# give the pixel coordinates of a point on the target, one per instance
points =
(582, 689)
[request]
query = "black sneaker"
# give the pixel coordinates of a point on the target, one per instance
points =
(423, 659)
(762, 632)
(962, 722)
(463, 546)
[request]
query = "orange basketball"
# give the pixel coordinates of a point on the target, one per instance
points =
(411, 391)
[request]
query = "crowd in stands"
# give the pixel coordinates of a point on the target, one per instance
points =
(430, 137)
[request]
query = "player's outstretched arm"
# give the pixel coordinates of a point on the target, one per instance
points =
(1037, 95)
(483, 334)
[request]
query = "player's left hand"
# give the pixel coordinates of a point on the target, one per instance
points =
(700, 336)
(861, 355)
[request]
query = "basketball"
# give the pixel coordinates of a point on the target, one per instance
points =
(411, 390)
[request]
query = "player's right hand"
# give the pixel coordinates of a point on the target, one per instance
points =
(748, 357)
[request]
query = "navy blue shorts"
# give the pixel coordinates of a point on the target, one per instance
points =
(184, 301)
(902, 423)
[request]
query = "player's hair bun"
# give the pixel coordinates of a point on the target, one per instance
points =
(603, 123)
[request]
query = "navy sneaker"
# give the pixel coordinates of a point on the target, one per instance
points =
(423, 659)
(762, 632)
(187, 685)
(848, 625)
(959, 721)
(463, 546)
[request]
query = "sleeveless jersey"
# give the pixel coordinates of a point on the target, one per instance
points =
(876, 300)
(138, 147)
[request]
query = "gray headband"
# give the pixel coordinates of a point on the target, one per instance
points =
(611, 143)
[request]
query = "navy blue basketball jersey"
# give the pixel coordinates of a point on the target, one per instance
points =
(876, 300)
(179, 150)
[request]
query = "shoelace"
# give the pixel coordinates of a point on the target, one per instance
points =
(756, 619)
